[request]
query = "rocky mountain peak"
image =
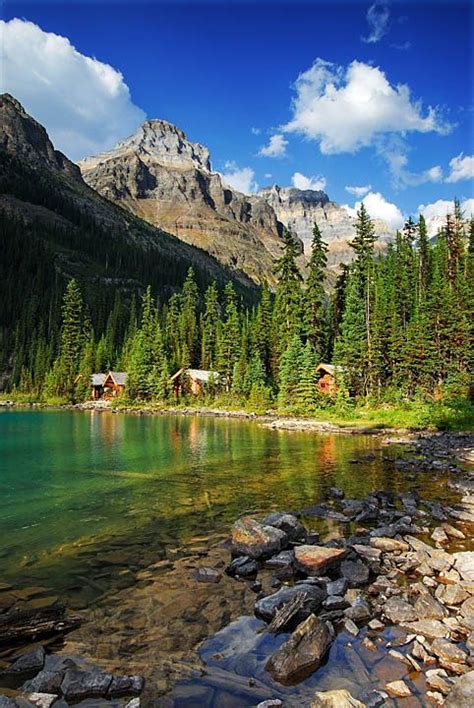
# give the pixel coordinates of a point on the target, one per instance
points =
(157, 141)
(290, 196)
(24, 138)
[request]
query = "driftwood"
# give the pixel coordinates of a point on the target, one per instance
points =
(24, 625)
(286, 612)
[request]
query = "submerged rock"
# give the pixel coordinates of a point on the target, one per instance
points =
(205, 574)
(251, 538)
(339, 698)
(243, 567)
(313, 560)
(302, 653)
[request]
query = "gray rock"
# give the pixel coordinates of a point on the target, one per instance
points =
(302, 653)
(359, 611)
(243, 567)
(356, 573)
(288, 523)
(251, 538)
(427, 607)
(205, 574)
(337, 587)
(32, 661)
(125, 686)
(78, 685)
(44, 682)
(266, 607)
(335, 602)
(463, 692)
(398, 610)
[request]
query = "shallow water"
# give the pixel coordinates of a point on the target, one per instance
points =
(113, 512)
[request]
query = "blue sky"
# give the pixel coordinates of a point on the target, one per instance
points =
(227, 74)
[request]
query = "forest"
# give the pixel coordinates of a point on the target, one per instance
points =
(400, 326)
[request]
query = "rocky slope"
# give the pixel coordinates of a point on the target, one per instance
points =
(167, 180)
(300, 209)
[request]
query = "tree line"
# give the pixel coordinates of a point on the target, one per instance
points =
(399, 324)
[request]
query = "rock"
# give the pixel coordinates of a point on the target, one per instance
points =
(427, 607)
(368, 553)
(6, 702)
(270, 703)
(463, 692)
(44, 682)
(302, 653)
(288, 523)
(439, 535)
(388, 544)
(433, 629)
(335, 493)
(337, 587)
(335, 602)
(266, 607)
(376, 625)
(439, 680)
(453, 532)
(357, 573)
(451, 594)
(397, 610)
(205, 574)
(464, 564)
(41, 700)
(125, 686)
(242, 567)
(78, 685)
(399, 689)
(313, 560)
(467, 607)
(351, 627)
(340, 698)
(447, 650)
(134, 703)
(359, 611)
(374, 699)
(32, 661)
(251, 538)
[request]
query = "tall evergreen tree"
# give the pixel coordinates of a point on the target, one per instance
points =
(315, 297)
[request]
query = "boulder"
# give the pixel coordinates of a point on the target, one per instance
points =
(302, 653)
(464, 564)
(44, 682)
(433, 629)
(251, 538)
(242, 567)
(356, 573)
(340, 698)
(266, 607)
(398, 610)
(78, 685)
(463, 692)
(288, 523)
(314, 560)
(125, 686)
(32, 661)
(427, 607)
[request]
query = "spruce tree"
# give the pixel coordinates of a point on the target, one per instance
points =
(314, 296)
(287, 311)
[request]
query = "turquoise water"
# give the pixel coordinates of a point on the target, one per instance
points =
(86, 498)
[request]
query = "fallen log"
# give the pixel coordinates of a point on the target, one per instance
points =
(25, 625)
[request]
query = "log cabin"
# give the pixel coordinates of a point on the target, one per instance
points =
(109, 385)
(327, 378)
(192, 381)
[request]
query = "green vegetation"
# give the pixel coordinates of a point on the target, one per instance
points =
(399, 326)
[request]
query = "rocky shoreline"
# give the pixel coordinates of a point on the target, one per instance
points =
(380, 574)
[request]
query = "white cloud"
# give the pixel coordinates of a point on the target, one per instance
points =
(275, 148)
(84, 104)
(268, 175)
(240, 178)
(345, 109)
(462, 167)
(379, 208)
(255, 131)
(442, 207)
(300, 181)
(394, 149)
(378, 16)
(359, 191)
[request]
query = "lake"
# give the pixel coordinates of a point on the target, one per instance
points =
(113, 512)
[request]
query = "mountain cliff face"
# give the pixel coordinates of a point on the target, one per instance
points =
(167, 180)
(300, 209)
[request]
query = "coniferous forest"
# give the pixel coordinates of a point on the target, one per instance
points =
(399, 325)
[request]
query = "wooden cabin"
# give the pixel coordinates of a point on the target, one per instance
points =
(192, 381)
(327, 378)
(109, 385)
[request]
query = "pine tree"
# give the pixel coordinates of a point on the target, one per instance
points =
(423, 258)
(314, 296)
(291, 366)
(287, 310)
(210, 328)
(229, 344)
(306, 393)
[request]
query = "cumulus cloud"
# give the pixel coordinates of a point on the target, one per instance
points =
(378, 17)
(275, 148)
(345, 109)
(359, 191)
(84, 104)
(442, 207)
(301, 181)
(240, 178)
(379, 208)
(462, 167)
(394, 151)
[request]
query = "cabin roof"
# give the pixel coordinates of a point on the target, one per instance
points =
(98, 379)
(197, 374)
(119, 377)
(332, 369)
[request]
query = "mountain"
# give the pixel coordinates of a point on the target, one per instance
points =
(54, 227)
(167, 180)
(299, 209)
